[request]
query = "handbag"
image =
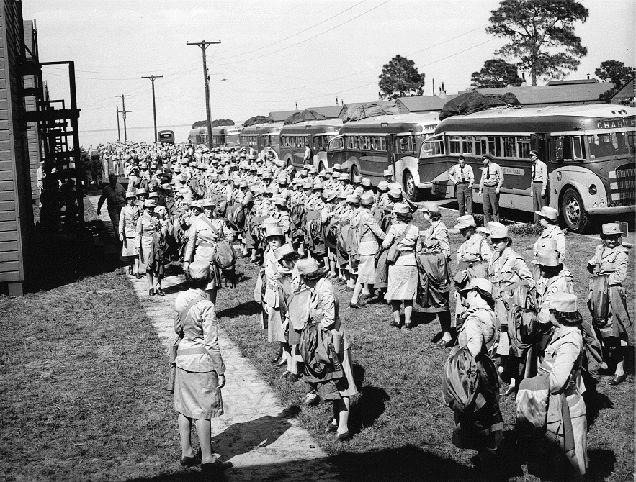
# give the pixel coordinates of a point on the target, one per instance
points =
(532, 402)
(394, 253)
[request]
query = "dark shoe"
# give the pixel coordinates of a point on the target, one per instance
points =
(276, 361)
(396, 325)
(618, 379)
(215, 467)
(191, 461)
(450, 343)
(409, 326)
(331, 428)
(437, 337)
(342, 437)
(354, 305)
(160, 292)
(151, 292)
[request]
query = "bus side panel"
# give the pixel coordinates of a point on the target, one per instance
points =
(321, 158)
(404, 164)
(433, 175)
(336, 157)
(580, 178)
(371, 165)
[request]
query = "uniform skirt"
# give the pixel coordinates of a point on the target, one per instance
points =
(402, 283)
(145, 254)
(196, 394)
(366, 269)
(275, 332)
(130, 247)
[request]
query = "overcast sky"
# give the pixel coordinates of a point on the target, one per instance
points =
(275, 53)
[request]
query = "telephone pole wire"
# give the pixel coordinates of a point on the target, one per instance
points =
(154, 104)
(204, 45)
(123, 115)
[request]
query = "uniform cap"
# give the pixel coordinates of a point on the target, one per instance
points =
(141, 192)
(366, 182)
(563, 302)
(160, 210)
(337, 167)
(466, 221)
(329, 196)
(395, 192)
(309, 268)
(343, 176)
(547, 257)
(497, 230)
(353, 199)
(548, 213)
(401, 208)
(479, 283)
(283, 251)
(387, 172)
(278, 200)
(197, 204)
(318, 185)
(430, 207)
(208, 203)
(367, 199)
(611, 229)
(273, 230)
(357, 179)
(150, 203)
(383, 186)
(130, 195)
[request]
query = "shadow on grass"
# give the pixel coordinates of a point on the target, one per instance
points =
(246, 308)
(403, 463)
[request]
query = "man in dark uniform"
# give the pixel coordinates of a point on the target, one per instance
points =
(115, 196)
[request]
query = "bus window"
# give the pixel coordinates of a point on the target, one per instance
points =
(480, 146)
(573, 148)
(602, 145)
(523, 147)
(454, 145)
(630, 142)
(494, 146)
(467, 145)
(383, 144)
(432, 147)
(373, 143)
(364, 143)
(509, 148)
(336, 144)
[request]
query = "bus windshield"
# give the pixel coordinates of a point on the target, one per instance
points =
(336, 144)
(610, 144)
(433, 146)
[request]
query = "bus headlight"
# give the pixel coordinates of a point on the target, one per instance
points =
(592, 189)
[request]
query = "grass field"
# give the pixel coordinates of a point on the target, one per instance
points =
(403, 427)
(82, 376)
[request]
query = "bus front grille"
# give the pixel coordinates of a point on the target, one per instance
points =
(623, 186)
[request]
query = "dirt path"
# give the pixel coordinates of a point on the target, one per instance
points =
(254, 433)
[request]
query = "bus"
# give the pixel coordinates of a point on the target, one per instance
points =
(198, 136)
(261, 137)
(589, 151)
(316, 134)
(369, 146)
(232, 135)
(218, 136)
(166, 136)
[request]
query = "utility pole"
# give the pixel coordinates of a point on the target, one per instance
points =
(154, 105)
(118, 129)
(204, 45)
(123, 115)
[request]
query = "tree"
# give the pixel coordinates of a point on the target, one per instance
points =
(615, 71)
(541, 35)
(496, 73)
(400, 77)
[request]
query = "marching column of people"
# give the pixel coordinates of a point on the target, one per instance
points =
(514, 322)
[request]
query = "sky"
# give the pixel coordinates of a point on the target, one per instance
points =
(274, 54)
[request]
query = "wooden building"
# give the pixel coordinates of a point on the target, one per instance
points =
(16, 215)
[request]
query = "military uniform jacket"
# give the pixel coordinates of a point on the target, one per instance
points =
(509, 268)
(202, 232)
(555, 233)
(474, 250)
(611, 261)
(547, 288)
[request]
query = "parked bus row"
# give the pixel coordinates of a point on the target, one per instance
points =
(589, 151)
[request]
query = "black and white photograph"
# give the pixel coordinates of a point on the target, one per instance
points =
(317, 240)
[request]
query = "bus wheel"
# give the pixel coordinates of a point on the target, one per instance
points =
(573, 212)
(409, 186)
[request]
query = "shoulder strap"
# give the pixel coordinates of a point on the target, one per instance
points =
(209, 224)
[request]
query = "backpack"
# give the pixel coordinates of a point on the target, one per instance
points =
(460, 381)
(296, 218)
(523, 322)
(313, 235)
(224, 254)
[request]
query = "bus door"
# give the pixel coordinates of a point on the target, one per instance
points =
(391, 153)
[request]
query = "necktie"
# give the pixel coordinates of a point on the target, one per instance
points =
(488, 172)
(533, 169)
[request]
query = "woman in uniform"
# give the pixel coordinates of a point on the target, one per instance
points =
(323, 316)
(275, 238)
(607, 301)
(402, 279)
(202, 237)
(511, 277)
(199, 375)
(128, 234)
(566, 418)
(481, 429)
(433, 255)
(147, 226)
(369, 233)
